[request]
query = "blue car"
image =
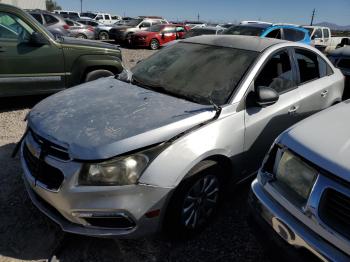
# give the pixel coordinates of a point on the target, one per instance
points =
(280, 31)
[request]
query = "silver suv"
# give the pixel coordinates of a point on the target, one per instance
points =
(156, 147)
(121, 33)
(302, 192)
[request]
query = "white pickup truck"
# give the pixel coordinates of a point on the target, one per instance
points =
(321, 38)
(102, 18)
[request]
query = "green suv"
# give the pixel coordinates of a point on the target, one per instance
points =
(34, 61)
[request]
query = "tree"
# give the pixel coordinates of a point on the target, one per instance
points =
(52, 5)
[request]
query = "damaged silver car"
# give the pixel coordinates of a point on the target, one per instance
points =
(154, 148)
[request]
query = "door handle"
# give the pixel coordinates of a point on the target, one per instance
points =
(293, 110)
(324, 93)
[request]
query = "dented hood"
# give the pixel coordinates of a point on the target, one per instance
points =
(107, 117)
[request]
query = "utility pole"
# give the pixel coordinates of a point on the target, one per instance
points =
(81, 6)
(313, 16)
(198, 17)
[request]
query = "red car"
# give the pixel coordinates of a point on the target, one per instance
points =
(158, 35)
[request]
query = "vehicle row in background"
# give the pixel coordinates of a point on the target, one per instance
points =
(37, 62)
(102, 18)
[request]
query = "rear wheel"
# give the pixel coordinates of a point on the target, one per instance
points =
(81, 36)
(96, 74)
(103, 35)
(195, 202)
(154, 44)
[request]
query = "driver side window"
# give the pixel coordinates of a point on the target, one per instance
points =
(277, 73)
(13, 28)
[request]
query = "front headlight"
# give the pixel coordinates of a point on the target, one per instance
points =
(294, 177)
(124, 170)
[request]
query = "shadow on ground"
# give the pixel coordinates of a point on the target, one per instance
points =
(21, 102)
(26, 234)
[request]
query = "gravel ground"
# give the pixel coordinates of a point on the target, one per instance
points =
(26, 234)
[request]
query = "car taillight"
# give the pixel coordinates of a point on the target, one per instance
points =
(66, 27)
(90, 28)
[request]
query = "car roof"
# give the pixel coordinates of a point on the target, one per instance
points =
(343, 51)
(252, 43)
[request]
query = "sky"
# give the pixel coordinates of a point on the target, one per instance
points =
(292, 11)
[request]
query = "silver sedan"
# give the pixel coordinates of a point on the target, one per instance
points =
(155, 148)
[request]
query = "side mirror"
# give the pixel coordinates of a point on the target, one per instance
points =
(38, 39)
(266, 96)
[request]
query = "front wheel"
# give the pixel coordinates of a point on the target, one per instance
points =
(194, 203)
(103, 36)
(154, 45)
(96, 74)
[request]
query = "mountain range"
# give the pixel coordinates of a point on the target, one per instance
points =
(333, 26)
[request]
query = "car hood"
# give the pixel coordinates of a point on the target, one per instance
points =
(104, 118)
(71, 41)
(324, 139)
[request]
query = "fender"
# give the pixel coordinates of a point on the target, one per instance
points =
(80, 65)
(224, 136)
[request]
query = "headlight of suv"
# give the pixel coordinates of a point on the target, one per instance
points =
(294, 177)
(123, 170)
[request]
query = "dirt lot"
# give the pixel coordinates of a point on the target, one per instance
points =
(26, 234)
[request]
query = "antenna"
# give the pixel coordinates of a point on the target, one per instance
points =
(313, 16)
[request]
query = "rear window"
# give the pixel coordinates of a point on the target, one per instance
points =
(38, 18)
(244, 30)
(293, 34)
(50, 20)
(70, 23)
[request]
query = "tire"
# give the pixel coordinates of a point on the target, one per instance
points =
(154, 44)
(127, 40)
(81, 36)
(96, 74)
(103, 36)
(195, 201)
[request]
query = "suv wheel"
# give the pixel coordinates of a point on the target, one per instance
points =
(195, 201)
(103, 35)
(154, 45)
(96, 74)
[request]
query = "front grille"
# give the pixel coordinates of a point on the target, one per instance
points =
(334, 210)
(51, 148)
(51, 177)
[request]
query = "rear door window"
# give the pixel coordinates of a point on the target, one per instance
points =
(277, 73)
(308, 65)
(326, 33)
(293, 34)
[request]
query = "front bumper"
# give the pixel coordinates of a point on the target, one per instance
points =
(118, 36)
(289, 229)
(71, 206)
